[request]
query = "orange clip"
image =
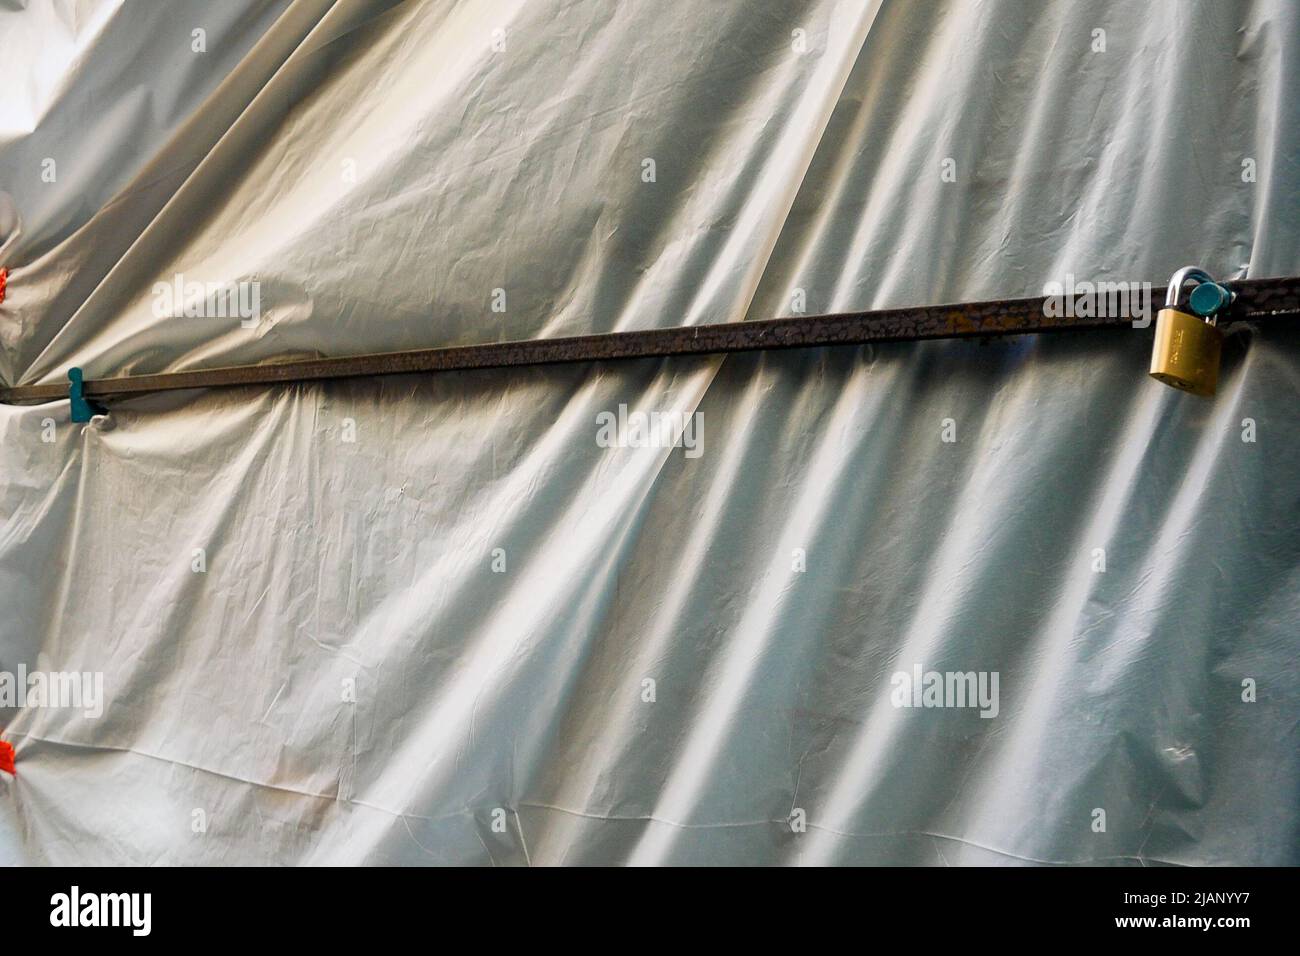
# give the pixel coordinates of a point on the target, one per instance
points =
(7, 758)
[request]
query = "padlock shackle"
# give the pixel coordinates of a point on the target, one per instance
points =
(1181, 278)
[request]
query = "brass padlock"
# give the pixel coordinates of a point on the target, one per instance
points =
(1187, 347)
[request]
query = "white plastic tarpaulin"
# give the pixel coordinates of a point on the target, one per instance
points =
(461, 618)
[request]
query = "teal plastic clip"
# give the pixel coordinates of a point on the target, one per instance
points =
(83, 410)
(1209, 298)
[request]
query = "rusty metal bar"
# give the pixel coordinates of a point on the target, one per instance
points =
(1257, 299)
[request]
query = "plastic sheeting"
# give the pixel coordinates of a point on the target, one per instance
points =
(438, 620)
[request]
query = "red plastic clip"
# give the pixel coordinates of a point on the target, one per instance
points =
(4, 280)
(7, 758)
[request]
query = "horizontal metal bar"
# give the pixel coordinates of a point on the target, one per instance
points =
(1257, 299)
